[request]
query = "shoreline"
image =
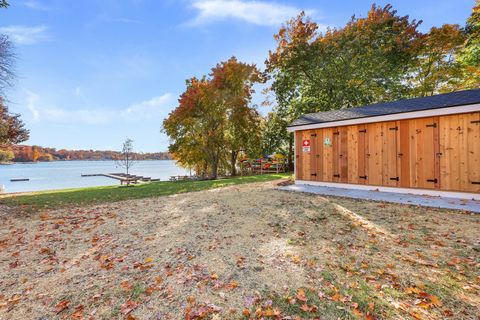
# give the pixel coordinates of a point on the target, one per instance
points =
(59, 160)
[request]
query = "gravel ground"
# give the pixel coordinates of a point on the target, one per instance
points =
(224, 253)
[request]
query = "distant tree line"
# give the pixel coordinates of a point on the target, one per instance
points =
(23, 153)
(377, 58)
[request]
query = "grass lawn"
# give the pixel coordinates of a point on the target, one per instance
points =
(246, 251)
(60, 198)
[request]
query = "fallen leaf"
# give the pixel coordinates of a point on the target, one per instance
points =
(62, 305)
(128, 307)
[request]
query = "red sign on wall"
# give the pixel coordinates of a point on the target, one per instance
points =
(306, 145)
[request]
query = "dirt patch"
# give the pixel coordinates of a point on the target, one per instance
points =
(241, 251)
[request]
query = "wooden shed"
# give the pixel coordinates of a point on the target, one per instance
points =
(428, 145)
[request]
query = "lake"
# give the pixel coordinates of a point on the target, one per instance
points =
(67, 174)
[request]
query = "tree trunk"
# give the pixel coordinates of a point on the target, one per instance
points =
(233, 163)
(214, 168)
(290, 153)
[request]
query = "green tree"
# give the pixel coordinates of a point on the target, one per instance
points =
(436, 69)
(6, 155)
(275, 137)
(4, 4)
(364, 62)
(470, 56)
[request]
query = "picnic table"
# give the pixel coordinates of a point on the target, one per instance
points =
(179, 178)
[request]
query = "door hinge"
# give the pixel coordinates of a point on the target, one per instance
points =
(400, 154)
(335, 133)
(475, 121)
(364, 130)
(432, 180)
(336, 175)
(396, 178)
(313, 135)
(439, 154)
(475, 182)
(318, 156)
(433, 125)
(313, 174)
(394, 128)
(363, 177)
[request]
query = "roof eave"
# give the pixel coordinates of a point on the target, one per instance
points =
(390, 117)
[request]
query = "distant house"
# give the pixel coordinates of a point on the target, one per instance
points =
(427, 145)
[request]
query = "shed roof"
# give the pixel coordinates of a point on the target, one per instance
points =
(453, 99)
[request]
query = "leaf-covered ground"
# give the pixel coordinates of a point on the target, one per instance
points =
(240, 252)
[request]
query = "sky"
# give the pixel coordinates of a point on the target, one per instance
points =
(93, 72)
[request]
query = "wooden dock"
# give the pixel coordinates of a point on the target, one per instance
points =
(122, 177)
(19, 179)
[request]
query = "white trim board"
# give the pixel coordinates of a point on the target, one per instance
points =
(391, 117)
(428, 192)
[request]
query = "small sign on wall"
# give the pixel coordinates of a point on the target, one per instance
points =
(306, 145)
(327, 142)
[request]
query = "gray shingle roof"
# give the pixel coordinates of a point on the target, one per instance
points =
(452, 99)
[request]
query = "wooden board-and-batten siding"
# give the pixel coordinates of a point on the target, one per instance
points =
(440, 153)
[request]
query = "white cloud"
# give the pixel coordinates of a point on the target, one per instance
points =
(255, 12)
(32, 100)
(35, 5)
(148, 109)
(156, 104)
(25, 34)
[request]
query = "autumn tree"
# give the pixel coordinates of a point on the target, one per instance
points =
(214, 119)
(234, 81)
(196, 128)
(12, 130)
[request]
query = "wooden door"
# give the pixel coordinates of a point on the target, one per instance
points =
(404, 159)
(315, 167)
(343, 154)
(353, 159)
(389, 154)
(424, 164)
(460, 152)
(306, 155)
(362, 154)
(374, 154)
(336, 155)
(473, 152)
(340, 154)
(318, 151)
(328, 150)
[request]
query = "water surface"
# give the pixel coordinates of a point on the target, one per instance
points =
(67, 174)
